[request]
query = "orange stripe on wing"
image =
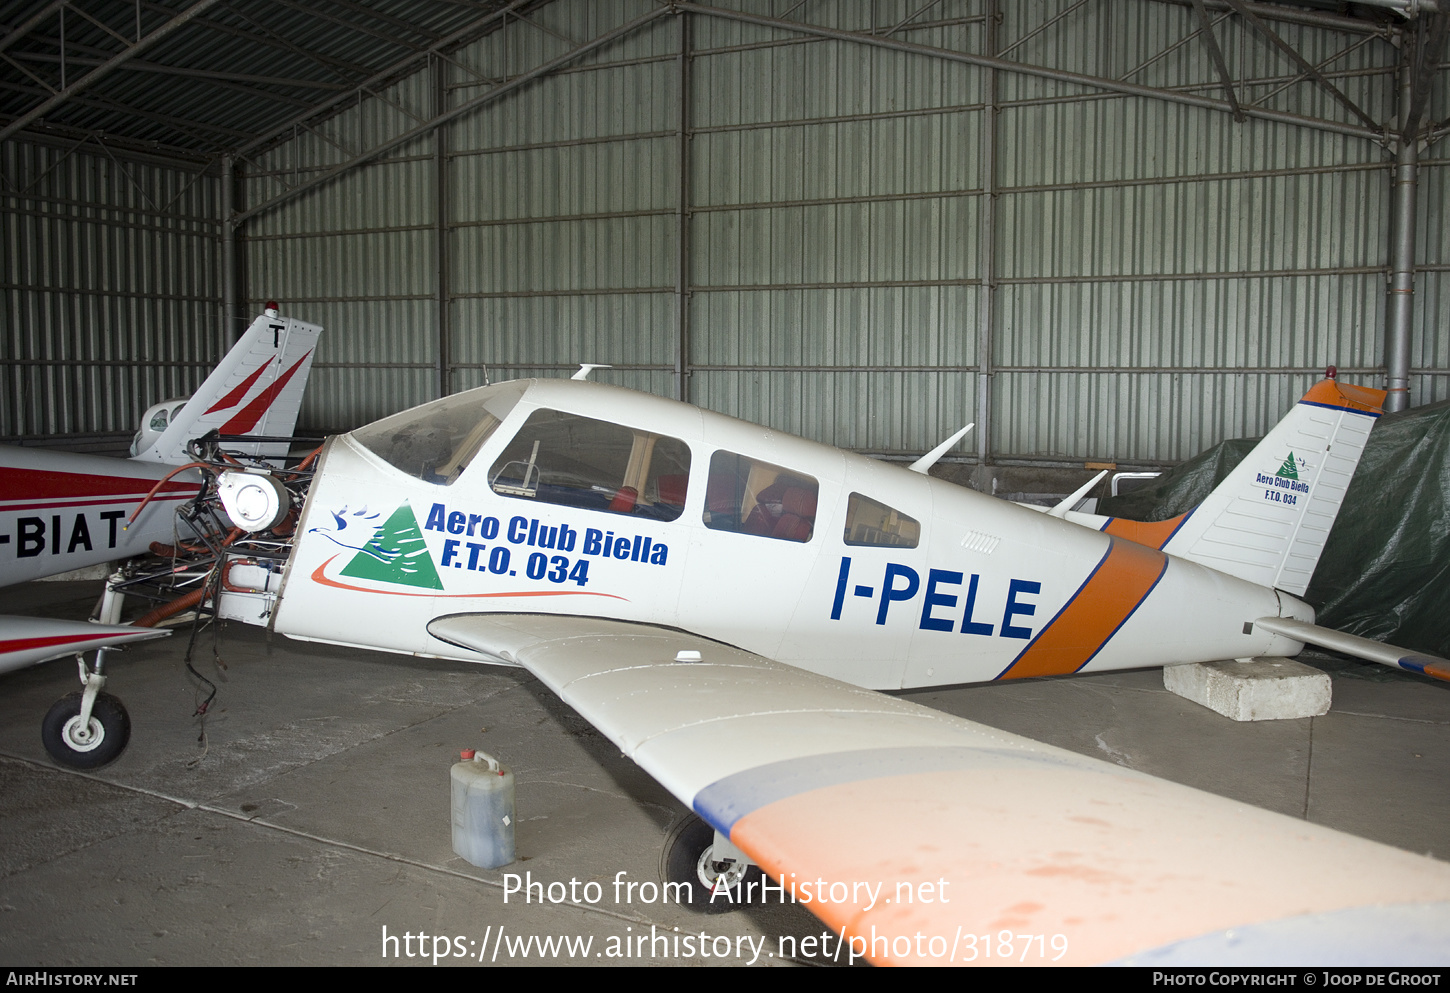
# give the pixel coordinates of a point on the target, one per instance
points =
(1122, 581)
(1154, 534)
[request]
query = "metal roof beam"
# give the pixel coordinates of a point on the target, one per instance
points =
(311, 10)
(349, 72)
(1210, 41)
(1299, 60)
(1044, 72)
(191, 128)
(151, 152)
(1307, 18)
(386, 74)
(232, 81)
(96, 75)
(402, 139)
(432, 37)
(32, 22)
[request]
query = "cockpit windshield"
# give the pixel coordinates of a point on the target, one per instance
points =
(435, 442)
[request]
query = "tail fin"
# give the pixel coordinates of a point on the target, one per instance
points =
(1268, 520)
(256, 389)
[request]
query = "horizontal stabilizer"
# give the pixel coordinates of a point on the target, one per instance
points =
(27, 641)
(1360, 648)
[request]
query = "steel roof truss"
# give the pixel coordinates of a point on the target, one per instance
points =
(1171, 49)
(390, 72)
(1046, 72)
(387, 145)
(100, 72)
(1299, 60)
(1261, 101)
(1035, 31)
(1210, 42)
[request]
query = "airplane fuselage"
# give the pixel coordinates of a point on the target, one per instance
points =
(61, 511)
(818, 558)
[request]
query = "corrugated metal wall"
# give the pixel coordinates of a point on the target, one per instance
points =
(1161, 276)
(356, 256)
(110, 289)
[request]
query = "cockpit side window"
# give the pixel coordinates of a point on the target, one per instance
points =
(875, 524)
(158, 420)
(576, 461)
(437, 441)
(748, 496)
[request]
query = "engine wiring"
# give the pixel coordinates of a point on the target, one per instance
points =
(192, 573)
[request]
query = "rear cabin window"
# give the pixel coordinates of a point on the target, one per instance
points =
(576, 461)
(875, 524)
(752, 497)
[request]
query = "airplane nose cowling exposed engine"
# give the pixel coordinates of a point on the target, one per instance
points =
(254, 500)
(233, 539)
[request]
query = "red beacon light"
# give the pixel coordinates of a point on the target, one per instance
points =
(271, 309)
(1331, 373)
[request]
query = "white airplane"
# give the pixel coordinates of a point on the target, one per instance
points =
(722, 601)
(61, 511)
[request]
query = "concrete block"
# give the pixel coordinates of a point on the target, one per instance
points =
(1258, 689)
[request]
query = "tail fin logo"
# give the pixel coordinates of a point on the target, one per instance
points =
(396, 553)
(1288, 470)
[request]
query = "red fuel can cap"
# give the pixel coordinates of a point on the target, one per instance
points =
(466, 754)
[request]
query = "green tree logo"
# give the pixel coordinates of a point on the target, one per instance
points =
(396, 553)
(1288, 470)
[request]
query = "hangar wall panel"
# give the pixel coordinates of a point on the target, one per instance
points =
(356, 255)
(1161, 276)
(110, 294)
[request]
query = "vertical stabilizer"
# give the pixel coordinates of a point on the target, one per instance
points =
(1268, 520)
(256, 390)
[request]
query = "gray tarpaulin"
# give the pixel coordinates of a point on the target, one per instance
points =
(1385, 572)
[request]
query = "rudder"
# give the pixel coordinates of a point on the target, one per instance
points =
(256, 389)
(1268, 520)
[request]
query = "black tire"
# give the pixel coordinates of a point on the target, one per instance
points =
(110, 729)
(685, 859)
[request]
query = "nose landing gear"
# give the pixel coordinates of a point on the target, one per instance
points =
(88, 729)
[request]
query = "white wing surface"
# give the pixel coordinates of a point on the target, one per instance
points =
(924, 838)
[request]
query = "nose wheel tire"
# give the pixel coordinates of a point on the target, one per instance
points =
(91, 746)
(689, 857)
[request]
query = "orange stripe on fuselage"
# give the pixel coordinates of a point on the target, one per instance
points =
(1154, 534)
(1121, 582)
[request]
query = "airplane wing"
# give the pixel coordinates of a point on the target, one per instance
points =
(922, 838)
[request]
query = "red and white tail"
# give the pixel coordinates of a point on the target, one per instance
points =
(256, 390)
(1268, 520)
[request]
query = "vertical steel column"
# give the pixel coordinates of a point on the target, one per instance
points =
(682, 217)
(1400, 297)
(440, 234)
(228, 252)
(987, 242)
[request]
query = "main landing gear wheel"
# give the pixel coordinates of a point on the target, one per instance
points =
(91, 746)
(689, 857)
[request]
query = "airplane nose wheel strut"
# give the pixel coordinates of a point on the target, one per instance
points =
(86, 730)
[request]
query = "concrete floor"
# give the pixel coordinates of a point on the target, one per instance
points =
(315, 813)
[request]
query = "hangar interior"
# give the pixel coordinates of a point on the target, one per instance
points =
(1109, 232)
